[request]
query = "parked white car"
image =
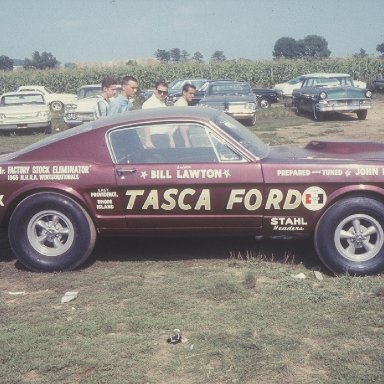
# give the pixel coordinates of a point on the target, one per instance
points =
(82, 110)
(20, 111)
(56, 101)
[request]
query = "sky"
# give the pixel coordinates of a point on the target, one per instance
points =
(78, 31)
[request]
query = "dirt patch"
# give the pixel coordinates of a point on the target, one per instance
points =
(338, 125)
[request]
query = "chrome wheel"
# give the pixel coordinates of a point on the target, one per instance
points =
(359, 238)
(50, 233)
(56, 106)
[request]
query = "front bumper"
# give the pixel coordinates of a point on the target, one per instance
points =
(24, 125)
(348, 105)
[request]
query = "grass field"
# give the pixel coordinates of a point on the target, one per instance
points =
(248, 312)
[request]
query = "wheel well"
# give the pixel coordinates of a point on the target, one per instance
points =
(11, 207)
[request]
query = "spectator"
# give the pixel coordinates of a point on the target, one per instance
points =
(161, 136)
(108, 91)
(123, 102)
(189, 91)
(158, 97)
(181, 136)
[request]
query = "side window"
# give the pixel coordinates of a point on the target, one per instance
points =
(169, 143)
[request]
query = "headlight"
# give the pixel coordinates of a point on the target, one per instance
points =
(323, 95)
(368, 93)
(71, 116)
(70, 107)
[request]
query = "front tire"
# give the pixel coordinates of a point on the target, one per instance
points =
(349, 238)
(362, 115)
(56, 106)
(51, 232)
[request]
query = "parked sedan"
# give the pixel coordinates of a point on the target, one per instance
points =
(24, 111)
(99, 179)
(56, 101)
(331, 92)
(234, 98)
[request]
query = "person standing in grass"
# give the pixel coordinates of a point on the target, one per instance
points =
(181, 136)
(108, 91)
(158, 137)
(124, 102)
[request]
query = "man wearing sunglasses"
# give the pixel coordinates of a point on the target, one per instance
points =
(158, 137)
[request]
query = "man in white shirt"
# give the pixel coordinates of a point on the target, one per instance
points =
(189, 91)
(161, 136)
(181, 135)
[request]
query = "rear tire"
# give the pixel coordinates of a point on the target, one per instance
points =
(263, 103)
(51, 232)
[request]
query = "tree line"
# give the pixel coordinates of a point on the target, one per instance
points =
(310, 47)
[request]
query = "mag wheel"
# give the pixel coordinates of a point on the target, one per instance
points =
(51, 232)
(349, 238)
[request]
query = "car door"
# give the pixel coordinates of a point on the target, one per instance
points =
(202, 184)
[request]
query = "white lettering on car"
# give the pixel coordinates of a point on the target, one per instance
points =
(313, 198)
(1, 201)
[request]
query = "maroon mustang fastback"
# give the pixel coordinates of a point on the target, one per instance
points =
(177, 171)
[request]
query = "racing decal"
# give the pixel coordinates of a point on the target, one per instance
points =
(288, 223)
(313, 198)
(366, 171)
(44, 172)
(171, 199)
(104, 198)
(186, 174)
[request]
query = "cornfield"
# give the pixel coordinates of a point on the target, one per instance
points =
(258, 73)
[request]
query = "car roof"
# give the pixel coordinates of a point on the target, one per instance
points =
(327, 74)
(197, 112)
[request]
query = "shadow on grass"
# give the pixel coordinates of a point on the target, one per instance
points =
(292, 252)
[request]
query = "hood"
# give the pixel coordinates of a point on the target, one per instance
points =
(332, 149)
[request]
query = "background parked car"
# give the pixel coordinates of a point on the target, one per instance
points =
(265, 97)
(56, 101)
(81, 111)
(234, 98)
(24, 111)
(378, 85)
(322, 93)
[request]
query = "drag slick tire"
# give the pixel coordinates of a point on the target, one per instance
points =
(51, 232)
(349, 237)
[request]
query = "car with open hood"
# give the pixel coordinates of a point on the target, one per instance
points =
(59, 195)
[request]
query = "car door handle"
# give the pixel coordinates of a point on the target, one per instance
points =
(123, 171)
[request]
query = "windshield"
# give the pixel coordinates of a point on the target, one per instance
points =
(22, 98)
(242, 135)
(229, 89)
